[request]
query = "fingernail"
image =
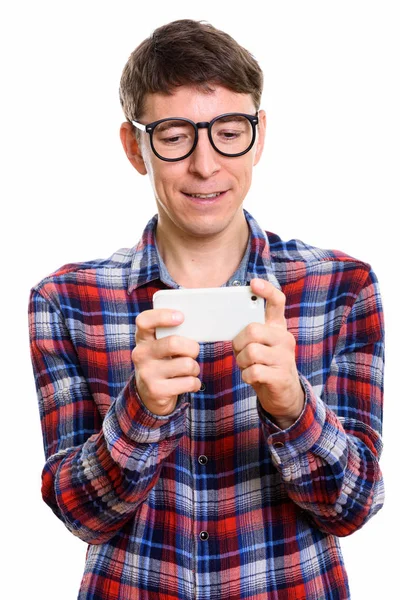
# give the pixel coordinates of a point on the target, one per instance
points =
(177, 317)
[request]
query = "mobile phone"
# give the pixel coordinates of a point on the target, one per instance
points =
(211, 314)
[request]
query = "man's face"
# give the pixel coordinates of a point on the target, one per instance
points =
(205, 171)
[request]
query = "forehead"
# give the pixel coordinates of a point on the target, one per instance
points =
(196, 104)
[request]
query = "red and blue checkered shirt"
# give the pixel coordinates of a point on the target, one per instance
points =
(213, 501)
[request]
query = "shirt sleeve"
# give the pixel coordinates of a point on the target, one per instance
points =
(97, 471)
(328, 459)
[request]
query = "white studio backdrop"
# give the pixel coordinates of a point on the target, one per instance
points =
(329, 176)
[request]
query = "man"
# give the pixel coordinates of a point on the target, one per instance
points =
(217, 470)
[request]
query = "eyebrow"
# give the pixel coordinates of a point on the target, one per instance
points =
(170, 124)
(230, 118)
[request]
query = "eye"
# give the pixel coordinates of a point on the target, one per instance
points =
(172, 133)
(229, 134)
(231, 129)
(172, 139)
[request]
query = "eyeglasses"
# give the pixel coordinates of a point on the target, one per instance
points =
(172, 139)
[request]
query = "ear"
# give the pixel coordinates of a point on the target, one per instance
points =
(132, 148)
(262, 127)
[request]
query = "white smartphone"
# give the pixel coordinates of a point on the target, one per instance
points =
(211, 314)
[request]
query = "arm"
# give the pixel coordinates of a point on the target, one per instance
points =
(328, 458)
(97, 472)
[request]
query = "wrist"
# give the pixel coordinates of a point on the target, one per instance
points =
(159, 408)
(284, 421)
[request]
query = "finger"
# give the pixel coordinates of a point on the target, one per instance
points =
(255, 354)
(162, 389)
(182, 366)
(263, 374)
(175, 345)
(256, 374)
(270, 356)
(168, 388)
(183, 385)
(148, 320)
(168, 347)
(275, 301)
(257, 333)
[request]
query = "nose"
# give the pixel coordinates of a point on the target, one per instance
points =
(204, 160)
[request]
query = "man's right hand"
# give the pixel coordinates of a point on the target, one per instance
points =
(166, 367)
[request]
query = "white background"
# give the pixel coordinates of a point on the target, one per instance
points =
(329, 176)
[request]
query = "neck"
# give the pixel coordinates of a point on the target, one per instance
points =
(207, 261)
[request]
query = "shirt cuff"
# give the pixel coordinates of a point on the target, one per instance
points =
(302, 435)
(129, 416)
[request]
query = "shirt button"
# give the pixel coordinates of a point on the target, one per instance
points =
(203, 536)
(236, 282)
(203, 460)
(202, 387)
(278, 444)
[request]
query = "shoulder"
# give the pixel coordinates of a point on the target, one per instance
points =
(72, 278)
(296, 250)
(296, 260)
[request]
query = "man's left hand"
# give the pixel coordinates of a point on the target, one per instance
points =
(265, 353)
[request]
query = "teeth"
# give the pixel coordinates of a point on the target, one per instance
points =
(205, 195)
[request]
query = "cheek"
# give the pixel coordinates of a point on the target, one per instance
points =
(152, 166)
(245, 174)
(166, 179)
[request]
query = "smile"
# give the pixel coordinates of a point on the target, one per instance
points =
(204, 196)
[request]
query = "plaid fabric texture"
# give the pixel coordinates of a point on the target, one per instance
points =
(259, 517)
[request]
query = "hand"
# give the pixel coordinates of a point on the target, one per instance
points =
(265, 353)
(166, 367)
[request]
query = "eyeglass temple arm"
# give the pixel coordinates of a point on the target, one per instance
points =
(139, 125)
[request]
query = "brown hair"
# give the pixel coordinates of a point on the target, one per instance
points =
(187, 52)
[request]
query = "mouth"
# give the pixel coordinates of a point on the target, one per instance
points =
(204, 197)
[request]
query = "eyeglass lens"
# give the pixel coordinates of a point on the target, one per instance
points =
(175, 138)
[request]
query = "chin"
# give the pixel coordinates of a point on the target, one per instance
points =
(205, 225)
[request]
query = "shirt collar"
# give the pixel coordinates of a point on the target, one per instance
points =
(145, 266)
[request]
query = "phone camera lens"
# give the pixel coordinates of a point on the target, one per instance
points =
(254, 298)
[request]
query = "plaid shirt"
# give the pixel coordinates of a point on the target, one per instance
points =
(213, 501)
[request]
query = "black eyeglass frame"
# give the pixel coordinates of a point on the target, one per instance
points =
(149, 128)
